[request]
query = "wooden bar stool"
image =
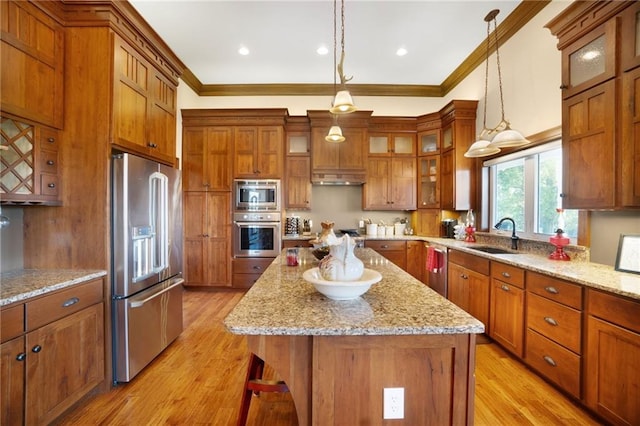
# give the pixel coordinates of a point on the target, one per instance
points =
(254, 384)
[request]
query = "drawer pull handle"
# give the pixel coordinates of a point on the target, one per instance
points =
(70, 302)
(551, 321)
(36, 349)
(21, 356)
(504, 287)
(551, 289)
(51, 140)
(257, 268)
(51, 185)
(550, 361)
(384, 246)
(506, 275)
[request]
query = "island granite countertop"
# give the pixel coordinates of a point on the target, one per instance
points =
(23, 284)
(281, 302)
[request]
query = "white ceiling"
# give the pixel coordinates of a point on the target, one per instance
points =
(283, 37)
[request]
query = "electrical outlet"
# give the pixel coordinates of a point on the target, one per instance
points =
(393, 403)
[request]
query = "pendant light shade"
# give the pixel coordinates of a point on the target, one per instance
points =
(343, 103)
(335, 134)
(508, 138)
(481, 148)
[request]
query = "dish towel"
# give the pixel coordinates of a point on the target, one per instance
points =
(433, 260)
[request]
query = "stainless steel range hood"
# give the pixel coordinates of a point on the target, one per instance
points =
(338, 178)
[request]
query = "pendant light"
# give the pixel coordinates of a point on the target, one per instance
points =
(490, 141)
(342, 103)
(335, 132)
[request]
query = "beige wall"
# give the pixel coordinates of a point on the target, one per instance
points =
(531, 78)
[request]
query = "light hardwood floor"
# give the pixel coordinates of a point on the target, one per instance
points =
(198, 381)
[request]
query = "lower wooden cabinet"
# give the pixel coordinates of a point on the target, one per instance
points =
(247, 270)
(611, 374)
(506, 319)
(58, 359)
(416, 259)
(468, 281)
(394, 250)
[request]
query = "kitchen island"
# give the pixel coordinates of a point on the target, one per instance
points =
(337, 357)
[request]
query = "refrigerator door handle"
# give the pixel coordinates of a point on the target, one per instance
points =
(139, 303)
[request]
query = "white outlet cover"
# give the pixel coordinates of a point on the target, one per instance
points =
(393, 403)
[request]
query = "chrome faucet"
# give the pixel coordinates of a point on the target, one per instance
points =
(514, 237)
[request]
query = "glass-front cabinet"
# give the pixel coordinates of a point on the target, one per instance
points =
(429, 189)
(590, 60)
(630, 33)
(429, 142)
(391, 144)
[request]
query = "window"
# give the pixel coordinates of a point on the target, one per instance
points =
(526, 186)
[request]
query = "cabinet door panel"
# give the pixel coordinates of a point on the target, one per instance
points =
(162, 118)
(353, 150)
(630, 142)
(193, 157)
(69, 363)
(588, 148)
(377, 187)
(298, 183)
(269, 152)
(506, 324)
(245, 141)
(12, 384)
(612, 374)
(403, 183)
(218, 159)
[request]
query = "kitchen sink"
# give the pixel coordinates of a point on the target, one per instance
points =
(493, 250)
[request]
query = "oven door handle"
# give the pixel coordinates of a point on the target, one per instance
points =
(254, 224)
(139, 303)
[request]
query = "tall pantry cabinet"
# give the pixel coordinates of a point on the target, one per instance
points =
(219, 146)
(76, 234)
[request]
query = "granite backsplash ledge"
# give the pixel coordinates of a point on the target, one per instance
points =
(543, 248)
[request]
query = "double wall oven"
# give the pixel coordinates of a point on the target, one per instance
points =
(257, 218)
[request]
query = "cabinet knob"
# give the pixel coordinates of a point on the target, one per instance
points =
(549, 360)
(36, 349)
(551, 321)
(562, 195)
(563, 87)
(51, 185)
(205, 235)
(21, 356)
(257, 268)
(551, 289)
(464, 277)
(152, 145)
(51, 140)
(505, 287)
(50, 162)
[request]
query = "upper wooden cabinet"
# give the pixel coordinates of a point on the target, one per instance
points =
(392, 144)
(457, 172)
(206, 156)
(599, 45)
(30, 164)
(33, 43)
(258, 152)
(144, 106)
(297, 182)
(340, 162)
(630, 33)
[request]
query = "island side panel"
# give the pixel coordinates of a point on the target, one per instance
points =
(350, 373)
(290, 357)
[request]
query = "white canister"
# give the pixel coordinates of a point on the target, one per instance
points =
(382, 230)
(389, 230)
(372, 229)
(399, 228)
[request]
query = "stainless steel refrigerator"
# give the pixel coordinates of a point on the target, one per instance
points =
(146, 262)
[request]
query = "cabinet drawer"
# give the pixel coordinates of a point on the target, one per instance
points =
(244, 280)
(558, 364)
(296, 243)
(382, 245)
(49, 184)
(470, 261)
(55, 306)
(11, 322)
(554, 289)
(508, 274)
(614, 309)
(555, 321)
(251, 265)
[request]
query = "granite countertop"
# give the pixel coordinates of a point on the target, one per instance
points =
(26, 283)
(281, 302)
(593, 275)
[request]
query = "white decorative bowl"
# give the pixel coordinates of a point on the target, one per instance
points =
(342, 290)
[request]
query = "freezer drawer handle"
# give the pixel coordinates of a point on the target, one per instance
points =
(70, 302)
(142, 302)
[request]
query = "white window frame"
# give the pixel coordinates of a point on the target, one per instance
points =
(530, 156)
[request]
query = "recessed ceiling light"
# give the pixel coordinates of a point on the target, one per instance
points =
(322, 50)
(401, 51)
(244, 51)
